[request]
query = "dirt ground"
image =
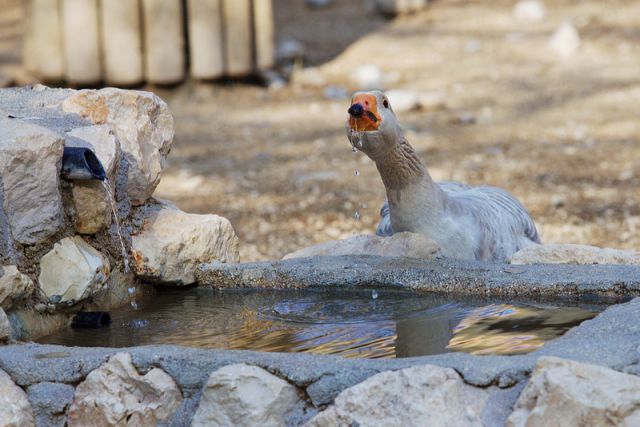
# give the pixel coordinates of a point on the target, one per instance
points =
(560, 134)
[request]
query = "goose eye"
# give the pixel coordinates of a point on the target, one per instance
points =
(385, 103)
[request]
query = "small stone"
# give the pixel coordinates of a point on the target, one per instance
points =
(529, 11)
(243, 395)
(568, 393)
(142, 124)
(418, 396)
(403, 100)
(5, 327)
(318, 3)
(72, 271)
(290, 50)
(574, 254)
(15, 409)
(565, 41)
(400, 244)
(173, 243)
(14, 286)
(50, 402)
(116, 394)
(368, 76)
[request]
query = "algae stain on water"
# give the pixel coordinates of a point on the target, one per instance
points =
(349, 323)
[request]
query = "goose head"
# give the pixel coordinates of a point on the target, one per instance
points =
(372, 126)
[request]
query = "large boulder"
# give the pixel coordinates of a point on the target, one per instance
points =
(173, 243)
(14, 286)
(115, 394)
(243, 395)
(90, 199)
(400, 244)
(567, 393)
(30, 160)
(72, 271)
(418, 396)
(15, 410)
(574, 254)
(143, 125)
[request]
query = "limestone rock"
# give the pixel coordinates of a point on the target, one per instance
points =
(5, 327)
(142, 124)
(400, 244)
(72, 271)
(173, 243)
(115, 394)
(565, 40)
(242, 395)
(529, 11)
(14, 286)
(567, 393)
(15, 410)
(418, 396)
(30, 160)
(574, 254)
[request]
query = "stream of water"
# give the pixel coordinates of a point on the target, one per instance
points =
(364, 323)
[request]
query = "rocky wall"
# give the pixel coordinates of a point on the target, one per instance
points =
(62, 249)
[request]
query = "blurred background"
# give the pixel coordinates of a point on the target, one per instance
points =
(541, 98)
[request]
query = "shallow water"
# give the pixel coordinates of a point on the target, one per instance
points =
(365, 323)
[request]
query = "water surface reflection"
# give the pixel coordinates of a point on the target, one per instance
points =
(345, 323)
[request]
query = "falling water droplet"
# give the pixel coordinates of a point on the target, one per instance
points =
(356, 216)
(374, 294)
(134, 305)
(131, 290)
(357, 173)
(109, 190)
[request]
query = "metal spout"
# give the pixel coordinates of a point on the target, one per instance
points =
(80, 163)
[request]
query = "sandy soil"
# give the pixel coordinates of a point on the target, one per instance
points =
(561, 134)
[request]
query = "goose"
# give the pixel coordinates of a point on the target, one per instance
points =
(467, 222)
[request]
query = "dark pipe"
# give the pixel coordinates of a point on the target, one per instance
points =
(80, 163)
(91, 320)
(356, 110)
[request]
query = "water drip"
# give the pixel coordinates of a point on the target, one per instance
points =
(108, 189)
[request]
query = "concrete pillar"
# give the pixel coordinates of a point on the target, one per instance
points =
(81, 41)
(238, 37)
(163, 41)
(43, 54)
(206, 48)
(263, 27)
(121, 31)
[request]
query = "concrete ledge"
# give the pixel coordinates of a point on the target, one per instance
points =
(474, 278)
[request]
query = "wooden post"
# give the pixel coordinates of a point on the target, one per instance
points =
(263, 28)
(238, 47)
(206, 48)
(81, 41)
(43, 40)
(163, 41)
(122, 41)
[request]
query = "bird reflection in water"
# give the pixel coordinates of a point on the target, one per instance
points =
(341, 323)
(506, 329)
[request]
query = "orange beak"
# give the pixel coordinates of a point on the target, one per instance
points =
(363, 113)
